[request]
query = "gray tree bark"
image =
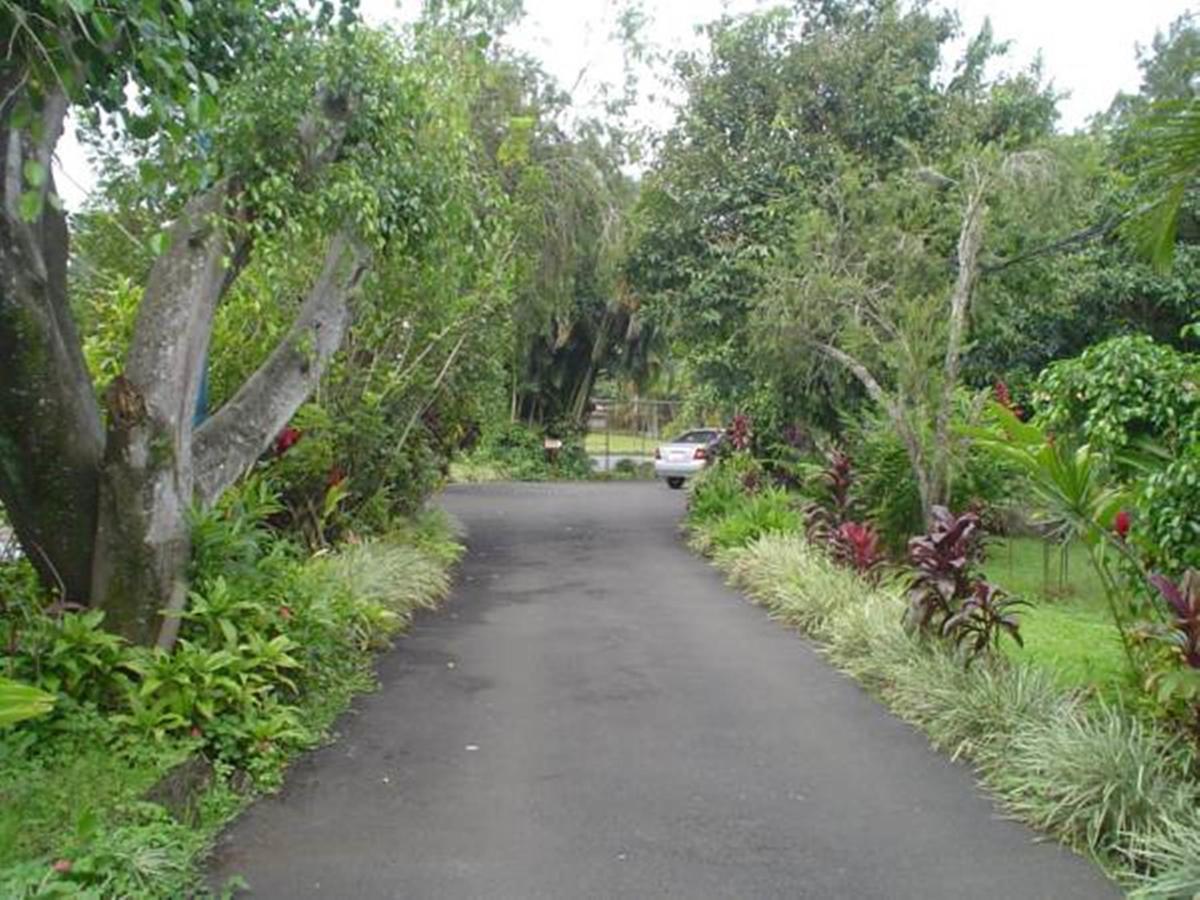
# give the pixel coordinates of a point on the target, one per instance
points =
(51, 438)
(146, 483)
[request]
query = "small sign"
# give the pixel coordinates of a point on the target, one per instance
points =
(552, 444)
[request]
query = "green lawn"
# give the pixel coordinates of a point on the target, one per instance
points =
(1067, 629)
(620, 443)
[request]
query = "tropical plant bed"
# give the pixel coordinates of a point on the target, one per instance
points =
(118, 794)
(1097, 776)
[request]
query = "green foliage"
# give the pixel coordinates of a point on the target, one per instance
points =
(1167, 531)
(769, 511)
(886, 488)
(716, 491)
(517, 452)
(1068, 484)
(1122, 393)
(272, 645)
(19, 702)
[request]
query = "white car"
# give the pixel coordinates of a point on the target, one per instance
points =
(686, 455)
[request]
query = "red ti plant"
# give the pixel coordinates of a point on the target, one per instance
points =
(1177, 683)
(824, 517)
(739, 432)
(856, 546)
(983, 618)
(946, 598)
(942, 560)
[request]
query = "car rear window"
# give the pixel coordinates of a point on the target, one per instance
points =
(696, 437)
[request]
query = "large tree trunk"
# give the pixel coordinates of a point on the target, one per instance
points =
(105, 518)
(142, 546)
(51, 438)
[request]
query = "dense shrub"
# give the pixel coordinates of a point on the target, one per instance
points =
(515, 451)
(886, 489)
(714, 493)
(1122, 392)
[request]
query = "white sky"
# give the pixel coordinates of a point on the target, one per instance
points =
(1087, 47)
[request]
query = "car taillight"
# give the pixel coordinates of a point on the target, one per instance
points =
(657, 453)
(700, 453)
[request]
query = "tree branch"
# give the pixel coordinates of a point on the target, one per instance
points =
(170, 340)
(227, 444)
(969, 240)
(891, 407)
(19, 149)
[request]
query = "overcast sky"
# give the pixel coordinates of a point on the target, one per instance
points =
(1088, 48)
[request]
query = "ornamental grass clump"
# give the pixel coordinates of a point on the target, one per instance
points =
(797, 585)
(1166, 859)
(1097, 777)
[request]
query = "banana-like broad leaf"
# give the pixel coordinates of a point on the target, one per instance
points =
(21, 701)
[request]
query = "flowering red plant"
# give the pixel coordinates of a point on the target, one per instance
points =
(1121, 524)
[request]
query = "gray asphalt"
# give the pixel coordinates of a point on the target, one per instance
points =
(594, 715)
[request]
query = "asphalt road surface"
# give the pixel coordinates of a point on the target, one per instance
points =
(594, 715)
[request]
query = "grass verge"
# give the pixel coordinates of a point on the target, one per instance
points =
(1068, 629)
(620, 443)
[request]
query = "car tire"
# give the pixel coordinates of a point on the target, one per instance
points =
(674, 483)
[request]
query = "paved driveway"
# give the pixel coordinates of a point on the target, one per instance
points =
(594, 715)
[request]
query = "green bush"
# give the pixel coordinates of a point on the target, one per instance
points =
(1121, 392)
(513, 451)
(886, 489)
(1167, 515)
(714, 493)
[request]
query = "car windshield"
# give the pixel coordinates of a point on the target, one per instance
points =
(696, 437)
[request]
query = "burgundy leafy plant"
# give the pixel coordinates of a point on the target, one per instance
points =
(1184, 600)
(856, 546)
(942, 561)
(982, 619)
(947, 598)
(1175, 678)
(739, 432)
(824, 517)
